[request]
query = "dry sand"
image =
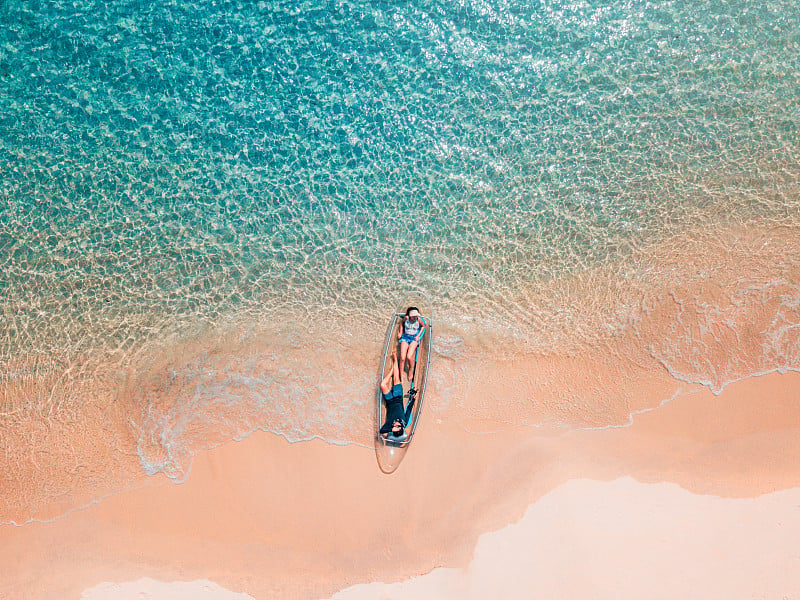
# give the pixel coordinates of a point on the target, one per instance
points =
(584, 511)
(624, 539)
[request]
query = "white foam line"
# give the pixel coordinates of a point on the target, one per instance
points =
(566, 427)
(174, 480)
(151, 470)
(718, 390)
(75, 508)
(635, 413)
(632, 415)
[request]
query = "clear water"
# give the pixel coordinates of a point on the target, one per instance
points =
(223, 199)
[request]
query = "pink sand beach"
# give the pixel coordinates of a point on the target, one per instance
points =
(697, 497)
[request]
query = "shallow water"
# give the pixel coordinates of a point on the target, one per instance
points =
(209, 208)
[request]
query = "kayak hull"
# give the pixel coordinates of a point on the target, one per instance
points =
(390, 451)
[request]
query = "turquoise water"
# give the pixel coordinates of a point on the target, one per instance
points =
(271, 173)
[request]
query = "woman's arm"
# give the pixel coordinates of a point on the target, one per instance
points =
(421, 329)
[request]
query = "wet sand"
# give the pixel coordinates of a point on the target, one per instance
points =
(306, 520)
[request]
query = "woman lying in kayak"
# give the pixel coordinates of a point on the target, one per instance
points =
(410, 334)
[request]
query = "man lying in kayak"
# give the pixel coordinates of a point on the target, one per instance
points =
(392, 390)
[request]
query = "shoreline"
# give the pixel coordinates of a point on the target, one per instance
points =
(276, 519)
(621, 338)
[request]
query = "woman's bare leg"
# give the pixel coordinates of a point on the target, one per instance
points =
(403, 355)
(412, 348)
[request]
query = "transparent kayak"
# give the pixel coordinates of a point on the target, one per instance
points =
(390, 450)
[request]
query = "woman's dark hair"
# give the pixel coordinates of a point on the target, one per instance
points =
(410, 308)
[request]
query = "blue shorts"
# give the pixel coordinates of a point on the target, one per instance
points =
(408, 338)
(395, 392)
